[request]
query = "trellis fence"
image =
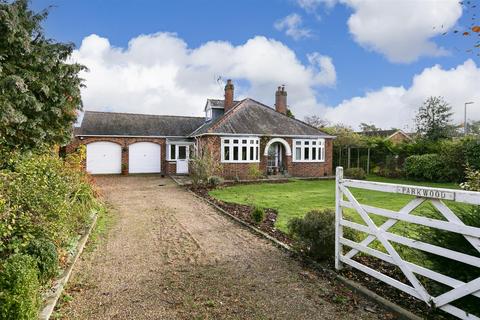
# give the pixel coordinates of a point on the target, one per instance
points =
(459, 289)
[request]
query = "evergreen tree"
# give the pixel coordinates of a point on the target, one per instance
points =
(39, 88)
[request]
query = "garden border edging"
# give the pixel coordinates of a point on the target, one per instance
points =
(59, 284)
(386, 304)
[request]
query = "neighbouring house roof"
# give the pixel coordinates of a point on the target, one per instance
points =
(252, 117)
(384, 133)
(130, 124)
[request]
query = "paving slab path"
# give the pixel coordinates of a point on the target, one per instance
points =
(169, 255)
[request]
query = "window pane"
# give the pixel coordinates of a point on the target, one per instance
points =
(256, 153)
(314, 143)
(244, 141)
(173, 156)
(235, 141)
(321, 153)
(306, 154)
(235, 153)
(252, 153)
(306, 142)
(182, 152)
(226, 141)
(298, 153)
(226, 153)
(244, 153)
(298, 143)
(314, 154)
(257, 141)
(252, 141)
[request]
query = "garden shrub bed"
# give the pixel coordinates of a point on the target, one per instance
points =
(243, 212)
(406, 301)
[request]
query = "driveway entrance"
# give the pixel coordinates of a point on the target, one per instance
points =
(171, 256)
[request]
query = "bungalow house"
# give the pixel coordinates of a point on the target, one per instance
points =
(238, 134)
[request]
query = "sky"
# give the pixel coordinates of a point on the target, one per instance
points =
(347, 61)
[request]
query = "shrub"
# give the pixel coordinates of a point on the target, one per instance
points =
(45, 254)
(424, 167)
(314, 234)
(258, 214)
(390, 173)
(43, 197)
(203, 166)
(472, 182)
(19, 288)
(355, 173)
(214, 181)
(254, 172)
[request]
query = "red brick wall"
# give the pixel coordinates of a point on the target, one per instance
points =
(241, 170)
(228, 170)
(314, 169)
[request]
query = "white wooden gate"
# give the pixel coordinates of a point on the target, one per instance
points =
(345, 199)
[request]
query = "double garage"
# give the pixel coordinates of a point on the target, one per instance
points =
(105, 157)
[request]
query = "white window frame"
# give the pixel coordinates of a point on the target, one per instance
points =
(177, 145)
(209, 114)
(310, 144)
(251, 142)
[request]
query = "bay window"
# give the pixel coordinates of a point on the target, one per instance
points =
(240, 149)
(309, 150)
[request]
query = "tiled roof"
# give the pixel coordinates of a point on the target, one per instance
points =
(252, 117)
(130, 124)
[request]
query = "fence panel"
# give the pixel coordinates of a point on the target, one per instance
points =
(414, 287)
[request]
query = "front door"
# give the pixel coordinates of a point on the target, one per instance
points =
(182, 160)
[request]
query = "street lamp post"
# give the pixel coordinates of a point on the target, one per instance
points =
(465, 130)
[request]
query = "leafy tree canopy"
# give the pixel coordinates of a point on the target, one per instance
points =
(346, 137)
(39, 88)
(434, 119)
(367, 127)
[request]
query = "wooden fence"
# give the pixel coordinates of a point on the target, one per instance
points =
(459, 289)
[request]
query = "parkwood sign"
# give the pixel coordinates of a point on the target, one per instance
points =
(427, 193)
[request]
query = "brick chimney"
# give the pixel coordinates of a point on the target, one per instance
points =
(281, 100)
(228, 102)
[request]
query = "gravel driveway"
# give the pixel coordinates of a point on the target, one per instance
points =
(171, 256)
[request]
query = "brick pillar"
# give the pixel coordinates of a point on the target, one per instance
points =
(125, 160)
(289, 165)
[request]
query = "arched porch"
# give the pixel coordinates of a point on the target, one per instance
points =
(278, 155)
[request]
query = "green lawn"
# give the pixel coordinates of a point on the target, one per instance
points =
(294, 199)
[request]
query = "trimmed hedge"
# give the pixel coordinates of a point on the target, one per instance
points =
(424, 167)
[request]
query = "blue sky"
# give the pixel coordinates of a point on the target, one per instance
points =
(363, 61)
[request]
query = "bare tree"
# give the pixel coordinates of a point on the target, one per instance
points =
(316, 121)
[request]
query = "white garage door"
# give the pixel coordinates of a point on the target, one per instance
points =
(144, 157)
(104, 157)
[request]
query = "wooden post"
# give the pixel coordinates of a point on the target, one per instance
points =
(338, 217)
(368, 161)
(358, 157)
(349, 157)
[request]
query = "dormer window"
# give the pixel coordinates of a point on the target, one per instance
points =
(208, 114)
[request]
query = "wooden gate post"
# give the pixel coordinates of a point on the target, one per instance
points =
(338, 217)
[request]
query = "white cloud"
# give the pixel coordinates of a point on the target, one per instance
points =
(160, 74)
(397, 106)
(312, 5)
(292, 24)
(401, 30)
